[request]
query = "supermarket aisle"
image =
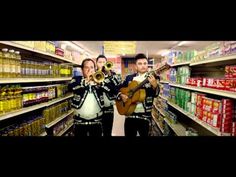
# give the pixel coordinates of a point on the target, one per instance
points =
(118, 124)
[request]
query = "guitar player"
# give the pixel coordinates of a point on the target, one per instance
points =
(140, 120)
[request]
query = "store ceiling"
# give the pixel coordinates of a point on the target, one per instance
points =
(151, 48)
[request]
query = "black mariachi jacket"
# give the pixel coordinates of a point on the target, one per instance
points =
(81, 89)
(113, 82)
(150, 92)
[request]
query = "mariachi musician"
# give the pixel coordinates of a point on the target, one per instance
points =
(88, 100)
(139, 121)
(110, 95)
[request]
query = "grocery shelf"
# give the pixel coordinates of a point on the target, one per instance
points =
(32, 108)
(43, 134)
(194, 118)
(207, 90)
(65, 130)
(164, 82)
(177, 128)
(214, 60)
(180, 64)
(12, 44)
(157, 123)
(161, 96)
(59, 119)
(32, 80)
(159, 110)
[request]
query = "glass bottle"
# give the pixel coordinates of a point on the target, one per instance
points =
(12, 62)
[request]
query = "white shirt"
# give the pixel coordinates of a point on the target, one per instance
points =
(90, 107)
(139, 78)
(107, 101)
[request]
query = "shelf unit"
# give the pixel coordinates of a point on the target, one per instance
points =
(214, 60)
(59, 119)
(161, 96)
(164, 82)
(177, 128)
(207, 90)
(180, 64)
(31, 80)
(154, 118)
(194, 118)
(32, 108)
(54, 56)
(65, 130)
(159, 110)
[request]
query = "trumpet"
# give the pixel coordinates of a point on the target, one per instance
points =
(108, 65)
(98, 77)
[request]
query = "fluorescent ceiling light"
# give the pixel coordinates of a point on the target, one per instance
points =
(181, 43)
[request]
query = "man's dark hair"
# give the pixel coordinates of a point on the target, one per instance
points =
(85, 60)
(140, 56)
(100, 56)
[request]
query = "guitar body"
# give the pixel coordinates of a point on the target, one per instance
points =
(129, 106)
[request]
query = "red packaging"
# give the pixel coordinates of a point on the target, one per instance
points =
(194, 82)
(227, 102)
(209, 118)
(227, 116)
(216, 106)
(220, 84)
(199, 82)
(199, 112)
(226, 121)
(189, 81)
(59, 51)
(207, 104)
(216, 120)
(215, 83)
(233, 71)
(227, 72)
(227, 110)
(209, 82)
(200, 99)
(204, 116)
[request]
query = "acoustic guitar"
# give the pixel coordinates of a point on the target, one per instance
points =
(135, 94)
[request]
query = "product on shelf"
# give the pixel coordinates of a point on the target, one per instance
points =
(50, 47)
(230, 71)
(61, 126)
(173, 74)
(59, 52)
(55, 111)
(40, 45)
(10, 98)
(31, 125)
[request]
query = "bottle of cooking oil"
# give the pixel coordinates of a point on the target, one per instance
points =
(0, 64)
(18, 64)
(5, 63)
(18, 97)
(1, 101)
(12, 59)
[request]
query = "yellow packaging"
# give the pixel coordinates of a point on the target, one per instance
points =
(40, 45)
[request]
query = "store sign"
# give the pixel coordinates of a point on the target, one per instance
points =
(119, 47)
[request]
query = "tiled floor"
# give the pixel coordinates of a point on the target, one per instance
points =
(118, 124)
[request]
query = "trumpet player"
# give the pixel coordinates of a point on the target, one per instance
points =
(109, 97)
(88, 101)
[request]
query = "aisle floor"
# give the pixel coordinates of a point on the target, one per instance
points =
(118, 124)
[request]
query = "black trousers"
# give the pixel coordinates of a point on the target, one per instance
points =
(136, 125)
(107, 121)
(89, 129)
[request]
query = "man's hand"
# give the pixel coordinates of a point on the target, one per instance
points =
(152, 81)
(124, 97)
